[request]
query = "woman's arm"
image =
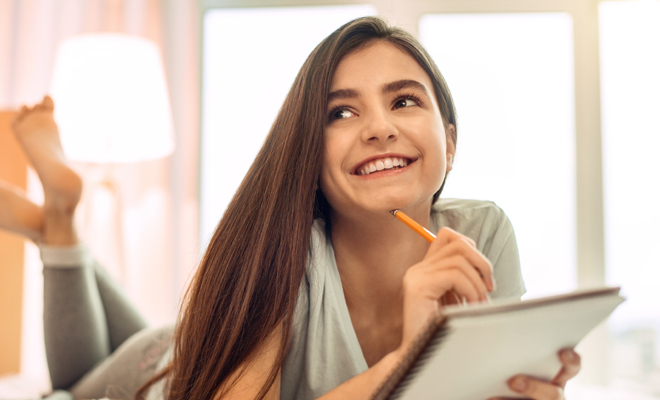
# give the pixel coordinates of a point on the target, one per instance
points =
(248, 379)
(362, 386)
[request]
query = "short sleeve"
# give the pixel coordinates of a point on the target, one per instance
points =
(503, 254)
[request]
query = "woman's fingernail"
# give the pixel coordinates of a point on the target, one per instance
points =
(569, 355)
(519, 384)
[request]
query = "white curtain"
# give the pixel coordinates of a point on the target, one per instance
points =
(158, 217)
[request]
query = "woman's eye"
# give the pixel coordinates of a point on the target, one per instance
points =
(340, 114)
(402, 103)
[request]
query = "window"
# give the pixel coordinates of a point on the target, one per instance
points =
(630, 82)
(511, 76)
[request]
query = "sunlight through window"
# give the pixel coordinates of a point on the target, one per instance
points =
(630, 82)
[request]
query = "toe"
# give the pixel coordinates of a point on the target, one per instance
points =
(48, 102)
(19, 116)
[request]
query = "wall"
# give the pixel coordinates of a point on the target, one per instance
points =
(12, 170)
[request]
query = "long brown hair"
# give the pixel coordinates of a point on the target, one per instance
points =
(249, 277)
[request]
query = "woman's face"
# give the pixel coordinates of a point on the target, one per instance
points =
(385, 143)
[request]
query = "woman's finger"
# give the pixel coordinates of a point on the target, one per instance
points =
(452, 279)
(451, 240)
(434, 283)
(459, 263)
(463, 286)
(536, 389)
(571, 364)
(435, 278)
(477, 260)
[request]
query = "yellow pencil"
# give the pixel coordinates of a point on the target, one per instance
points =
(423, 232)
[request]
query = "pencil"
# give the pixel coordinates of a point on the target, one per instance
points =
(450, 297)
(423, 232)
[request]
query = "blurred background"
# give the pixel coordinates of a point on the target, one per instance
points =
(557, 106)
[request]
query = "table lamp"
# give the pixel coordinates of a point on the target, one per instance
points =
(111, 100)
(111, 106)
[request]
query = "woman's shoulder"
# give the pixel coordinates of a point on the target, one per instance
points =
(461, 214)
(445, 205)
(483, 221)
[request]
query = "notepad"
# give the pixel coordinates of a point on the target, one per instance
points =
(472, 352)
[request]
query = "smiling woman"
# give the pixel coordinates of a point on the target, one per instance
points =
(319, 247)
(309, 287)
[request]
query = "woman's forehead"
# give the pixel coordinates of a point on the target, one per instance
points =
(377, 63)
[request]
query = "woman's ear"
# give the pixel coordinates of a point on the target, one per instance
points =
(451, 146)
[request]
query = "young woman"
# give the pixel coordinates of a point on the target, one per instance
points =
(309, 287)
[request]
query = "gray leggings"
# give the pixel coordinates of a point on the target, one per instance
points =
(97, 344)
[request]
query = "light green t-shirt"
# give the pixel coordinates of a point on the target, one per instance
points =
(324, 350)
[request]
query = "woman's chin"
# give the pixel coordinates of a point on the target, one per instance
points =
(376, 206)
(401, 204)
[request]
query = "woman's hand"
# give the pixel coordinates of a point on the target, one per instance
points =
(542, 390)
(452, 263)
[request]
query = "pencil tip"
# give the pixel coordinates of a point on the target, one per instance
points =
(393, 212)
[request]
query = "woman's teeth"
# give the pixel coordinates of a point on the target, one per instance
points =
(382, 164)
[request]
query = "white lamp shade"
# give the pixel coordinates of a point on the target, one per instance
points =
(111, 100)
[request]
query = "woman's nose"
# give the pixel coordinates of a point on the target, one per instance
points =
(379, 128)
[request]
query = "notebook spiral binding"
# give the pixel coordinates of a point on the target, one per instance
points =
(419, 363)
(430, 338)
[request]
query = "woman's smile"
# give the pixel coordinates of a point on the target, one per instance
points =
(382, 164)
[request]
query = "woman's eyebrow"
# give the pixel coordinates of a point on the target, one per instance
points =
(403, 84)
(343, 94)
(386, 88)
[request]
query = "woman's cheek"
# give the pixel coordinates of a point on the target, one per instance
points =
(328, 188)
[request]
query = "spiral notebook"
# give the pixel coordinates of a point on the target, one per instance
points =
(471, 352)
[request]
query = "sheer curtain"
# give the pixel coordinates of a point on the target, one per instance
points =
(159, 198)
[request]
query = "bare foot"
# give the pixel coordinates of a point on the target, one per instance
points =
(37, 132)
(18, 214)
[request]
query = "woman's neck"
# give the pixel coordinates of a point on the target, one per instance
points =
(373, 254)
